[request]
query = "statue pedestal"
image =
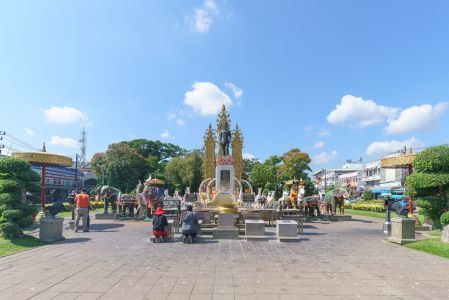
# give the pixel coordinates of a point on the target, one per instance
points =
(287, 230)
(226, 228)
(51, 229)
(402, 231)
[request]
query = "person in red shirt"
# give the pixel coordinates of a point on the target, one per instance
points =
(82, 202)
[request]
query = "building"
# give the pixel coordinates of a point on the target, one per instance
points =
(371, 175)
(60, 181)
(330, 177)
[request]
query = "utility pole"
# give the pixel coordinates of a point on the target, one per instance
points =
(83, 144)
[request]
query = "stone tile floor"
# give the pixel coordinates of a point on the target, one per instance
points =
(116, 260)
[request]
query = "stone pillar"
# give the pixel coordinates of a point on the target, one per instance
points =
(402, 231)
(286, 230)
(51, 229)
(445, 234)
(226, 228)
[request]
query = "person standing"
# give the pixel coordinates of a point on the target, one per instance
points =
(82, 210)
(189, 227)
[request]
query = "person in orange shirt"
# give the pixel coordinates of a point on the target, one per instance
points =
(82, 209)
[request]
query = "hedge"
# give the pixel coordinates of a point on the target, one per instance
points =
(444, 219)
(67, 207)
(369, 207)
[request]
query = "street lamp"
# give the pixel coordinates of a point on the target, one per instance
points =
(387, 224)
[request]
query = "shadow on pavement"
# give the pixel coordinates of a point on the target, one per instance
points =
(310, 227)
(74, 240)
(105, 227)
(313, 233)
(362, 221)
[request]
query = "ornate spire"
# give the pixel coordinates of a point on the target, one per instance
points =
(237, 149)
(43, 148)
(209, 151)
(223, 118)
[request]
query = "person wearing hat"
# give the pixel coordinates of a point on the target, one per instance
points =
(159, 223)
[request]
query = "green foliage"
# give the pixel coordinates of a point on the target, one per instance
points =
(432, 160)
(16, 177)
(363, 201)
(368, 195)
(248, 165)
(185, 171)
(10, 230)
(432, 246)
(369, 207)
(432, 207)
(430, 182)
(262, 174)
(10, 246)
(12, 214)
(444, 219)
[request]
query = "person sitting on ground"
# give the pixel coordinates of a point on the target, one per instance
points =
(189, 226)
(159, 223)
(82, 210)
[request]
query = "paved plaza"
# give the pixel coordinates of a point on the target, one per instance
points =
(116, 260)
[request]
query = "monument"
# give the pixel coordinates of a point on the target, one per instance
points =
(221, 190)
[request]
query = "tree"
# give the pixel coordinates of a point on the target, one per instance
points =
(99, 166)
(262, 174)
(185, 171)
(16, 179)
(248, 165)
(295, 165)
(430, 181)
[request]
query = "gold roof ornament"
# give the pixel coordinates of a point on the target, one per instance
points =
(398, 162)
(223, 118)
(44, 158)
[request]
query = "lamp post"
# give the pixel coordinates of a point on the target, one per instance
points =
(387, 224)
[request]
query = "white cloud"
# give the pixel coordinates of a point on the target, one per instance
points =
(247, 155)
(171, 116)
(206, 98)
(318, 145)
(238, 92)
(203, 16)
(64, 115)
(64, 142)
(181, 122)
(356, 111)
(386, 147)
(324, 157)
(29, 131)
(166, 135)
(324, 132)
(416, 119)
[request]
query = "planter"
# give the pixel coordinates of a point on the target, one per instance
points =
(445, 234)
(51, 229)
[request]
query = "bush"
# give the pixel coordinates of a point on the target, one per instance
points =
(432, 207)
(445, 218)
(362, 201)
(368, 195)
(10, 230)
(369, 207)
(12, 214)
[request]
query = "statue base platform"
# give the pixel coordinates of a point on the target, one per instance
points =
(424, 227)
(225, 233)
(103, 216)
(340, 218)
(51, 229)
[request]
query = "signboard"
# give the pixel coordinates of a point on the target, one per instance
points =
(191, 197)
(248, 197)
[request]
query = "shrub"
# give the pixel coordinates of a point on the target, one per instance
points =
(12, 214)
(445, 218)
(369, 207)
(362, 201)
(10, 230)
(432, 207)
(368, 195)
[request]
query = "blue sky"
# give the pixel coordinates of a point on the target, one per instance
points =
(337, 79)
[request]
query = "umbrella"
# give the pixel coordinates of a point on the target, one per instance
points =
(156, 181)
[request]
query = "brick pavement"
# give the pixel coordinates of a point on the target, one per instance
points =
(347, 260)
